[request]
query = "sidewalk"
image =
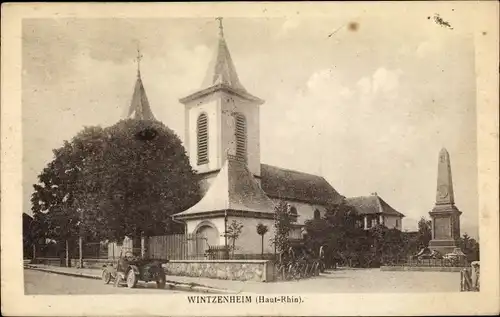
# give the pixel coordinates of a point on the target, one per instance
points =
(173, 282)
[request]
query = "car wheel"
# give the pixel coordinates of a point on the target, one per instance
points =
(161, 280)
(131, 279)
(106, 276)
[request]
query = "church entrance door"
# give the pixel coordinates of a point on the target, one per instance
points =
(208, 233)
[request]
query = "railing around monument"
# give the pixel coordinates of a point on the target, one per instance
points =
(413, 262)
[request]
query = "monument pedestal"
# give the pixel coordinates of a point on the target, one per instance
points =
(443, 246)
(445, 228)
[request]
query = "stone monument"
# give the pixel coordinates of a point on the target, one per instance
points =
(445, 216)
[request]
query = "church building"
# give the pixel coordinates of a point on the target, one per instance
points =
(222, 138)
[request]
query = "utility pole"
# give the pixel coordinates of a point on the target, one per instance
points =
(226, 251)
(80, 241)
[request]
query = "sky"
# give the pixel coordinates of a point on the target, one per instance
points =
(368, 108)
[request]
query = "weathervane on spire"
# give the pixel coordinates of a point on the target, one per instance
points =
(221, 27)
(138, 59)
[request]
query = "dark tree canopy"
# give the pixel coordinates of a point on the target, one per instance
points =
(122, 180)
(340, 231)
(424, 232)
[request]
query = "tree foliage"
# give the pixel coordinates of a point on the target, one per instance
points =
(234, 232)
(470, 247)
(339, 231)
(282, 226)
(261, 231)
(114, 182)
(424, 232)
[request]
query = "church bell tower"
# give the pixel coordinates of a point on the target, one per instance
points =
(445, 216)
(222, 118)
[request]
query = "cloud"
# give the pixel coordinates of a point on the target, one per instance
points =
(382, 81)
(327, 83)
(427, 48)
(288, 26)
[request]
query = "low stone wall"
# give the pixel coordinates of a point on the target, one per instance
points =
(422, 268)
(239, 270)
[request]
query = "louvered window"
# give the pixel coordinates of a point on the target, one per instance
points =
(293, 213)
(241, 136)
(202, 134)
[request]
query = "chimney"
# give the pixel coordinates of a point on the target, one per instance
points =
(374, 194)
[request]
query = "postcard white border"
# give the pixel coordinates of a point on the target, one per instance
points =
(481, 17)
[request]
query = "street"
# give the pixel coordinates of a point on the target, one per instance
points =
(38, 283)
(368, 281)
(339, 281)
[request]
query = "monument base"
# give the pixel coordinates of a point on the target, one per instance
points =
(443, 246)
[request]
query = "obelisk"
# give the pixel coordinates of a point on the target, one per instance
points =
(445, 216)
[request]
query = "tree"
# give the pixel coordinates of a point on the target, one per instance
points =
(234, 232)
(282, 226)
(28, 237)
(340, 232)
(470, 247)
(424, 232)
(53, 200)
(262, 230)
(120, 181)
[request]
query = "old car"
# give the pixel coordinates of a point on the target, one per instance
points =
(130, 270)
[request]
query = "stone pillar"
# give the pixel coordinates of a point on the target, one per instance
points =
(475, 275)
(365, 218)
(143, 246)
(381, 219)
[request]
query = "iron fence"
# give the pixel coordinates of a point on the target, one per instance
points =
(451, 262)
(95, 250)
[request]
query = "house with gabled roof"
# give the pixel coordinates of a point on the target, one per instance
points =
(222, 138)
(375, 211)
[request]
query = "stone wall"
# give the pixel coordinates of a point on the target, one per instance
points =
(239, 270)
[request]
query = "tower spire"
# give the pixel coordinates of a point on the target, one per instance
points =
(221, 27)
(221, 70)
(138, 60)
(139, 106)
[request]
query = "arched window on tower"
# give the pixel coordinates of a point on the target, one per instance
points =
(240, 133)
(317, 214)
(202, 138)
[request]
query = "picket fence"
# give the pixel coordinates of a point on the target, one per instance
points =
(177, 247)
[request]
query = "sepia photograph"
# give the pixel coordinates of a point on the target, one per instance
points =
(262, 159)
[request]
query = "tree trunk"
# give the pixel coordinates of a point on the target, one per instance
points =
(80, 251)
(34, 252)
(67, 254)
(262, 248)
